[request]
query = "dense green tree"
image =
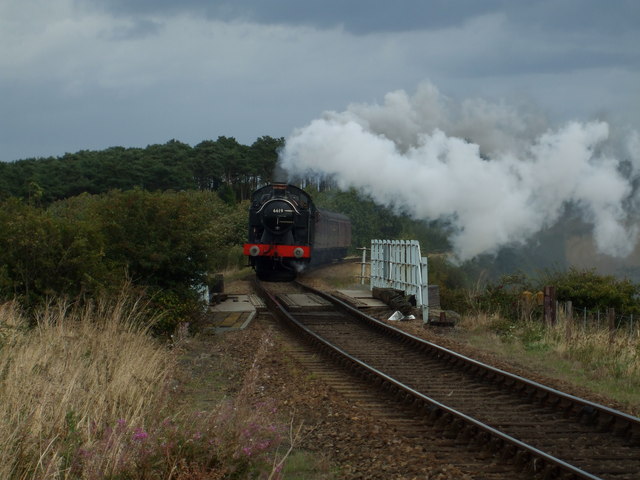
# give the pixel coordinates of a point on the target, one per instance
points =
(42, 254)
(262, 158)
(166, 167)
(160, 238)
(206, 166)
(4, 186)
(233, 159)
(18, 175)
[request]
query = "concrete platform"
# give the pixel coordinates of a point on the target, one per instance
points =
(233, 313)
(303, 301)
(361, 297)
(236, 311)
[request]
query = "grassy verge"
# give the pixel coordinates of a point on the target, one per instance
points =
(87, 394)
(590, 357)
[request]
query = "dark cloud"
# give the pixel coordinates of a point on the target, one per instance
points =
(355, 16)
(593, 16)
(363, 17)
(368, 16)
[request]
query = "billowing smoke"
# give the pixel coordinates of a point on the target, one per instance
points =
(497, 175)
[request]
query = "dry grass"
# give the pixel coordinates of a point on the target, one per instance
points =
(608, 354)
(63, 382)
(592, 356)
(85, 395)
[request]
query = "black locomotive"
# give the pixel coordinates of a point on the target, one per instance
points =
(287, 232)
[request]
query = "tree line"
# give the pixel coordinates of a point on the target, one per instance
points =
(224, 166)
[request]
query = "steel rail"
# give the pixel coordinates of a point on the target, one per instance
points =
(550, 464)
(590, 408)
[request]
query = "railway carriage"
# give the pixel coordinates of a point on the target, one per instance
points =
(287, 233)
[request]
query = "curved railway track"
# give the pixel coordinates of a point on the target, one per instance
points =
(542, 431)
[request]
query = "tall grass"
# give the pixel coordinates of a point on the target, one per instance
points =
(608, 354)
(608, 362)
(64, 381)
(85, 394)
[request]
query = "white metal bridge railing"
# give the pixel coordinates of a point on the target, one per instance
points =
(398, 264)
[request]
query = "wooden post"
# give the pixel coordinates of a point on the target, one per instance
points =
(550, 305)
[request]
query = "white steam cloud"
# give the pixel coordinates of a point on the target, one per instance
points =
(497, 175)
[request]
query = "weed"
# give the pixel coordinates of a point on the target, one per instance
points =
(532, 336)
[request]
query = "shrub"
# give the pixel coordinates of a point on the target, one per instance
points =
(43, 254)
(587, 289)
(165, 243)
(501, 298)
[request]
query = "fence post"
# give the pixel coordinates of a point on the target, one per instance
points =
(550, 305)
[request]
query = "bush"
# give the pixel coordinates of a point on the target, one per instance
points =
(587, 289)
(502, 298)
(173, 308)
(42, 254)
(163, 242)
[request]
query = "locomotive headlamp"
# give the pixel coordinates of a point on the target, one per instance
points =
(298, 252)
(254, 251)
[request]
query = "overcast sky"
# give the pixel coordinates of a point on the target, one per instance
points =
(89, 74)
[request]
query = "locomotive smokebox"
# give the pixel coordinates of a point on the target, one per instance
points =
(278, 216)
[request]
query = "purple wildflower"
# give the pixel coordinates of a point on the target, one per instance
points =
(140, 435)
(263, 445)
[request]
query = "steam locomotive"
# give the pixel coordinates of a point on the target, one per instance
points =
(287, 233)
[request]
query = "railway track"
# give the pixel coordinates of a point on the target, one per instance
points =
(534, 429)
